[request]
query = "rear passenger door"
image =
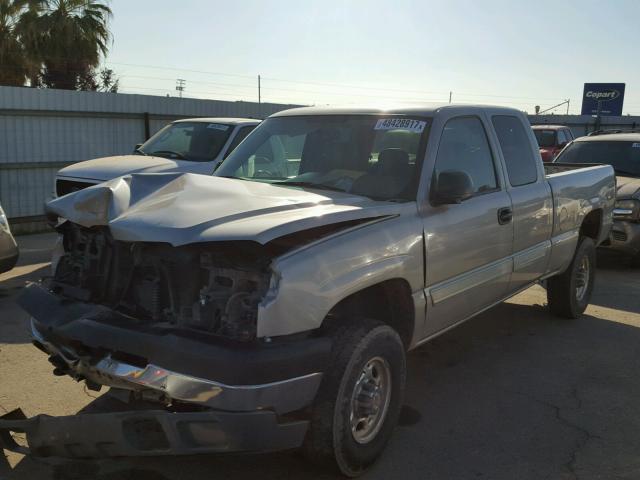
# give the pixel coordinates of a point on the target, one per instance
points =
(468, 247)
(530, 199)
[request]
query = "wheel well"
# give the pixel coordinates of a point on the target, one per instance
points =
(389, 302)
(591, 224)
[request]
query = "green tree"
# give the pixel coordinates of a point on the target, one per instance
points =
(73, 35)
(104, 80)
(17, 27)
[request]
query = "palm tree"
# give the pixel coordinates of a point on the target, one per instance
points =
(73, 34)
(17, 24)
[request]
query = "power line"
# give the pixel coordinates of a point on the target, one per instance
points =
(341, 85)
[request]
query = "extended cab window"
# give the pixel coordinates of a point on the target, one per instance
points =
(516, 150)
(464, 147)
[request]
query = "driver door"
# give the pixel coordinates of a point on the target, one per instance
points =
(468, 246)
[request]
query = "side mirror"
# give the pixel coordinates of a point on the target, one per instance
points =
(450, 187)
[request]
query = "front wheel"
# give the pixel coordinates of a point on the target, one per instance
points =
(360, 397)
(568, 294)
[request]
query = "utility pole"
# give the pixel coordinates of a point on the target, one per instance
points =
(180, 85)
(259, 92)
(598, 118)
(450, 94)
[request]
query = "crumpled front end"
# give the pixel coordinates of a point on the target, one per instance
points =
(173, 328)
(211, 289)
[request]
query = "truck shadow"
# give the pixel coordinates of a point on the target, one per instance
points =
(617, 283)
(515, 393)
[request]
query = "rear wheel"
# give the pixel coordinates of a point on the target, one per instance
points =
(568, 294)
(359, 399)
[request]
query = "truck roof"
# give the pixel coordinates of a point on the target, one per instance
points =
(420, 110)
(227, 120)
(611, 137)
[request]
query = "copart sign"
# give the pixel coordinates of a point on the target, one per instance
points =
(605, 97)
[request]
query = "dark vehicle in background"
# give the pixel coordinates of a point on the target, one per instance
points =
(552, 139)
(8, 246)
(621, 150)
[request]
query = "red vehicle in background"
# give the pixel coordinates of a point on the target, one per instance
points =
(552, 139)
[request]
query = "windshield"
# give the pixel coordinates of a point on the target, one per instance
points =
(374, 156)
(194, 141)
(545, 138)
(624, 157)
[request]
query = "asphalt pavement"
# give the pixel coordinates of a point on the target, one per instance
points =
(512, 394)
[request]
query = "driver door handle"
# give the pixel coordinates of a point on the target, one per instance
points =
(505, 214)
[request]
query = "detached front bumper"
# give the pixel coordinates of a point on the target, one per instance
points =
(150, 432)
(204, 396)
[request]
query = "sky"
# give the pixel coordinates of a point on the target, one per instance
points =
(517, 53)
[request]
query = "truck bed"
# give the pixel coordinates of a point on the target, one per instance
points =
(556, 168)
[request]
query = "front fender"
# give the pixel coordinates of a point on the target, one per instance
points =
(309, 283)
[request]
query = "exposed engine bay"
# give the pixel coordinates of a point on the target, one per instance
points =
(214, 288)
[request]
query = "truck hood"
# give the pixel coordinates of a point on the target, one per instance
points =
(185, 208)
(627, 187)
(111, 167)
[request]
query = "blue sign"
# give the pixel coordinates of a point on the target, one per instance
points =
(610, 96)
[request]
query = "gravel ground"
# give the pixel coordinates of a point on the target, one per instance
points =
(513, 394)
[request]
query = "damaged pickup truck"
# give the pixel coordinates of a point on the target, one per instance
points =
(272, 305)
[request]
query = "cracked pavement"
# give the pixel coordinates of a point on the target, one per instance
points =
(513, 394)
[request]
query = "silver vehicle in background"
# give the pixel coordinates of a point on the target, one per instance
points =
(194, 145)
(8, 246)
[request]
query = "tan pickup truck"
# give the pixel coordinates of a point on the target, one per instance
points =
(271, 306)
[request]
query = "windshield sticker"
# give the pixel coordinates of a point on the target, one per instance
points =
(218, 126)
(635, 145)
(401, 124)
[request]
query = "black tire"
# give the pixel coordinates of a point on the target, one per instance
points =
(635, 261)
(330, 440)
(563, 294)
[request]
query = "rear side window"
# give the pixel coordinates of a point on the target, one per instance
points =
(569, 134)
(464, 147)
(516, 150)
(242, 133)
(561, 137)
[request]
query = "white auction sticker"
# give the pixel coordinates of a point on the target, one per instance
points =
(218, 126)
(635, 145)
(401, 124)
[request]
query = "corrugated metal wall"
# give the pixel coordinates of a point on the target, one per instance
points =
(42, 131)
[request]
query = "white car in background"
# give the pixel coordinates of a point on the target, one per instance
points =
(195, 145)
(8, 245)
